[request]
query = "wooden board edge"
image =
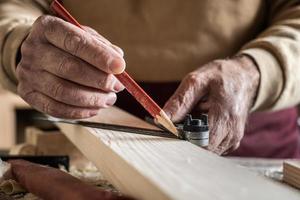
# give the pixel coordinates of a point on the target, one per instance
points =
(112, 171)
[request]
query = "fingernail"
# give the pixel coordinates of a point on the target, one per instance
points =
(118, 87)
(111, 100)
(116, 65)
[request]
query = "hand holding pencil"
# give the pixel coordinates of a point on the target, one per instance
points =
(68, 72)
(79, 73)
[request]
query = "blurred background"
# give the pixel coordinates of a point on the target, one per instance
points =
(15, 117)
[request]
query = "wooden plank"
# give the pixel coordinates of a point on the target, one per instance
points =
(9, 103)
(53, 142)
(148, 167)
(291, 173)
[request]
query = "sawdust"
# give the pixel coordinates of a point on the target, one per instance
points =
(89, 175)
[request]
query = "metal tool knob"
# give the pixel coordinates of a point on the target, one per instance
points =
(195, 131)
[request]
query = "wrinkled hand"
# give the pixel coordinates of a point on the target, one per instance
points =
(229, 88)
(68, 72)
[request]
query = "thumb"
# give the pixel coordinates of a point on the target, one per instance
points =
(187, 95)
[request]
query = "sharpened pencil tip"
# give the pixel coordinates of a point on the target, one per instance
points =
(165, 121)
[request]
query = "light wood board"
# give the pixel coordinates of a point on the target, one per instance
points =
(148, 167)
(9, 103)
(291, 173)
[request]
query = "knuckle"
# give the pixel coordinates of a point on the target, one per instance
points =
(74, 43)
(218, 77)
(86, 100)
(218, 81)
(27, 52)
(26, 93)
(193, 79)
(41, 19)
(73, 68)
(44, 21)
(95, 101)
(75, 94)
(66, 66)
(44, 24)
(26, 47)
(33, 52)
(22, 72)
(57, 89)
(46, 107)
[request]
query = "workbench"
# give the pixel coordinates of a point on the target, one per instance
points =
(152, 167)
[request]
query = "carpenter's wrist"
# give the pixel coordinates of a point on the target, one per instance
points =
(252, 74)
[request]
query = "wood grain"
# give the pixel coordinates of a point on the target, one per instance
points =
(148, 167)
(291, 173)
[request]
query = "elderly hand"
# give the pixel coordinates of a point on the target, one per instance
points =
(68, 72)
(229, 88)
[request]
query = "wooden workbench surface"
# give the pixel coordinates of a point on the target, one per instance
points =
(148, 167)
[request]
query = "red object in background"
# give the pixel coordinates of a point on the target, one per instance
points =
(271, 135)
(131, 86)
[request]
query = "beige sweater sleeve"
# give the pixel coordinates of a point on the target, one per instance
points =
(277, 54)
(16, 18)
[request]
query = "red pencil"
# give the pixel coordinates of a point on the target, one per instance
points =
(131, 86)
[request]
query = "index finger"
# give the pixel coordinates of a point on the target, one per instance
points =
(84, 45)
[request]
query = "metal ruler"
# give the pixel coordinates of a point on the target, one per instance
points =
(193, 130)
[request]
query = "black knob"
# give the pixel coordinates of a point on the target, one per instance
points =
(195, 125)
